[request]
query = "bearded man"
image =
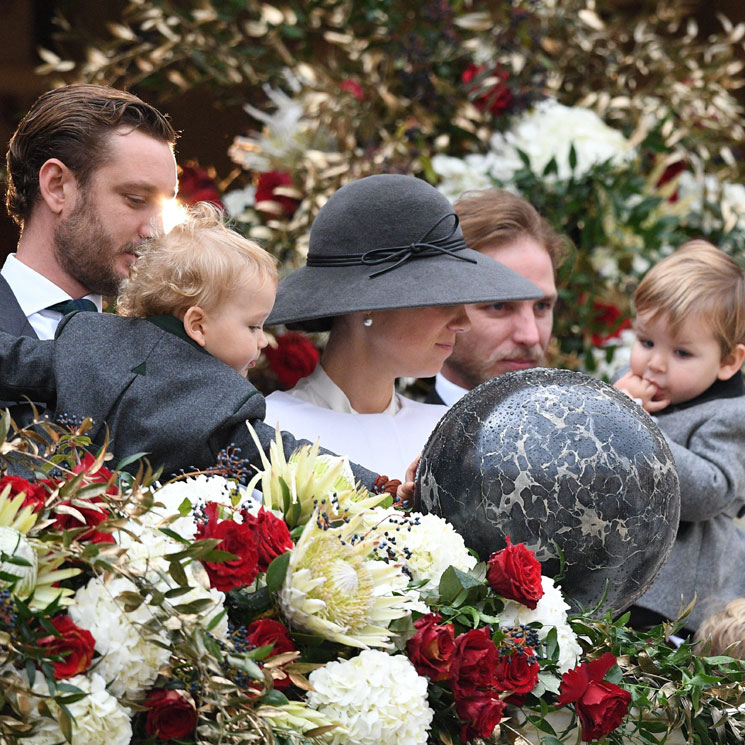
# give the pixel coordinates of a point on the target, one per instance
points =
(88, 170)
(510, 335)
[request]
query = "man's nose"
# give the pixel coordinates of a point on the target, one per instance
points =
(525, 330)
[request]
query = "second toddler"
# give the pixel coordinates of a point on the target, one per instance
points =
(685, 369)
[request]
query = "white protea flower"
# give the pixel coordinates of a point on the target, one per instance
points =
(37, 581)
(14, 545)
(296, 716)
(550, 612)
(337, 589)
(535, 134)
(376, 697)
(295, 485)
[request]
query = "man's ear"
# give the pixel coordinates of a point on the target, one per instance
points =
(58, 186)
(194, 324)
(732, 362)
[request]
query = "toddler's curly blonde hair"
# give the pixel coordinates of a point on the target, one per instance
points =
(725, 629)
(199, 262)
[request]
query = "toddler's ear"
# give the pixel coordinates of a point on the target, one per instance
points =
(732, 362)
(194, 324)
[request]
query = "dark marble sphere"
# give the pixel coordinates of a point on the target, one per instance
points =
(567, 465)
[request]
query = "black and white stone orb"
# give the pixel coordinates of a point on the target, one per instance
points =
(567, 465)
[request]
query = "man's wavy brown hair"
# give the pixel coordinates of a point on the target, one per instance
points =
(72, 124)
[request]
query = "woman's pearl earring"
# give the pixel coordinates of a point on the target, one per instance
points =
(368, 321)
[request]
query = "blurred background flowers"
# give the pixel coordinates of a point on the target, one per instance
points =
(619, 119)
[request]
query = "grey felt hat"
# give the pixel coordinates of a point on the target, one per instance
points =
(385, 242)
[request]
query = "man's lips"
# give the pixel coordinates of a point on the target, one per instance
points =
(520, 362)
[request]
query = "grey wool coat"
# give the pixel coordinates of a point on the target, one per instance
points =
(707, 439)
(155, 389)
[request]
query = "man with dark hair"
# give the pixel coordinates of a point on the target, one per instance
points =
(510, 335)
(88, 170)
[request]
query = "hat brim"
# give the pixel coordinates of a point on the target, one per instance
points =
(313, 293)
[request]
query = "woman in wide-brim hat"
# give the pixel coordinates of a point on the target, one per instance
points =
(388, 274)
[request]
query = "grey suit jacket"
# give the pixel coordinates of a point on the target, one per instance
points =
(12, 319)
(156, 392)
(707, 439)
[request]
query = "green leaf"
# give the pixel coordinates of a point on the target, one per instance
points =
(275, 574)
(572, 157)
(124, 462)
(453, 582)
(275, 698)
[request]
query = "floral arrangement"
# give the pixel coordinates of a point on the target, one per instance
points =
(204, 610)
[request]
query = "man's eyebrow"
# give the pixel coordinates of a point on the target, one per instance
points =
(144, 187)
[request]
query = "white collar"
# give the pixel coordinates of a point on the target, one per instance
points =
(33, 291)
(448, 391)
(319, 390)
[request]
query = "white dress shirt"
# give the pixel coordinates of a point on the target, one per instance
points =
(35, 293)
(447, 391)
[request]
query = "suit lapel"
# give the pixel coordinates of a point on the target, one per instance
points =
(12, 318)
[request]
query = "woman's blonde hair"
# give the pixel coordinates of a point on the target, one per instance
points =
(725, 629)
(199, 262)
(701, 281)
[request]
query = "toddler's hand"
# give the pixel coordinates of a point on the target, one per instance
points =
(642, 391)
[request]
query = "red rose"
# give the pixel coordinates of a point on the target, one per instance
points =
(601, 706)
(671, 172)
(515, 574)
(266, 191)
(74, 644)
(293, 358)
(517, 672)
(479, 715)
(474, 660)
(36, 493)
(272, 536)
(235, 538)
(169, 714)
(92, 516)
(197, 185)
(431, 648)
(497, 97)
(267, 631)
(353, 87)
(608, 319)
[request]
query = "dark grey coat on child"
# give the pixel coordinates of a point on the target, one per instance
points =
(707, 439)
(155, 391)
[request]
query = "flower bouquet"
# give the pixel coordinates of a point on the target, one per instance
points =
(204, 610)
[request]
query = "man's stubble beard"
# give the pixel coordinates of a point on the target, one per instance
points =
(86, 251)
(475, 372)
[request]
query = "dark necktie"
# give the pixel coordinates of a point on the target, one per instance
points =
(68, 306)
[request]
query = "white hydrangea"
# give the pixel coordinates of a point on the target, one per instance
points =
(542, 134)
(376, 697)
(621, 356)
(198, 490)
(129, 661)
(550, 612)
(97, 718)
(425, 544)
(459, 175)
